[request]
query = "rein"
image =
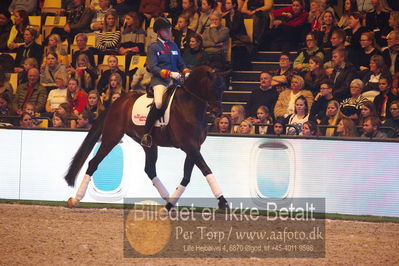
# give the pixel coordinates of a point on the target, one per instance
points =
(193, 94)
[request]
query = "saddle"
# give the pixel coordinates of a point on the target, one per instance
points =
(142, 106)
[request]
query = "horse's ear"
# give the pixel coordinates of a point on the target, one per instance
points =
(224, 73)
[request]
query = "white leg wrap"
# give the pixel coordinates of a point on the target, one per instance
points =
(161, 188)
(217, 192)
(176, 194)
(83, 187)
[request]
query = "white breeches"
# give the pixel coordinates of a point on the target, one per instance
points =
(159, 91)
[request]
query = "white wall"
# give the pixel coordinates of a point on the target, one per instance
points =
(355, 177)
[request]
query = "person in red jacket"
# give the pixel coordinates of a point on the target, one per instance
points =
(77, 97)
(288, 26)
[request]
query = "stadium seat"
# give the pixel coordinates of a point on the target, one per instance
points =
(137, 62)
(249, 27)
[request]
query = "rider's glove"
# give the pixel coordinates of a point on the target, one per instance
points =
(175, 75)
(186, 75)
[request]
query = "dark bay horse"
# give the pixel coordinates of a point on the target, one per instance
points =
(187, 130)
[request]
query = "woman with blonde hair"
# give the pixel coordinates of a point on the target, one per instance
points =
(94, 103)
(333, 115)
(114, 86)
(346, 128)
(55, 45)
(246, 127)
(237, 116)
(84, 72)
(108, 40)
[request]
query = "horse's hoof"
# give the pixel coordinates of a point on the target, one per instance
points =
(72, 202)
(223, 204)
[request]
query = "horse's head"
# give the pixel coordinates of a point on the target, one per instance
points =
(205, 82)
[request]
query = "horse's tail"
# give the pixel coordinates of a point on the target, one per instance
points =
(85, 149)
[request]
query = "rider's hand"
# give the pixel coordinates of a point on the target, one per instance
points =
(175, 75)
(186, 75)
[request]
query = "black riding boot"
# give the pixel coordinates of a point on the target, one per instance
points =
(152, 117)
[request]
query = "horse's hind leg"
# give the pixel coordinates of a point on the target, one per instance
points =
(151, 156)
(109, 141)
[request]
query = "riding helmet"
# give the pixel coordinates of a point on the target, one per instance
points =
(161, 23)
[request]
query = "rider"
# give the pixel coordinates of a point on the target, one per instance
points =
(164, 62)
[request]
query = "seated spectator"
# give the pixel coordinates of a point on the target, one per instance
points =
(223, 124)
(54, 45)
(390, 53)
(321, 100)
(315, 75)
(207, 8)
(58, 95)
(246, 127)
(369, 49)
(50, 70)
(23, 71)
(282, 76)
(215, 39)
(141, 80)
(309, 129)
(237, 115)
(355, 31)
(94, 103)
(5, 105)
(78, 21)
(263, 116)
(289, 25)
(350, 6)
(372, 77)
(195, 55)
(150, 8)
(173, 10)
(114, 86)
(338, 37)
(5, 29)
(367, 109)
(108, 40)
(371, 128)
(122, 7)
(393, 121)
(333, 115)
(97, 23)
(113, 68)
(77, 98)
(279, 127)
(21, 23)
(342, 75)
(30, 92)
(346, 128)
(265, 95)
(314, 17)
(30, 7)
(301, 63)
(81, 42)
(84, 72)
(385, 98)
(364, 6)
(300, 116)
(259, 12)
(65, 110)
(327, 27)
(85, 120)
(285, 105)
(190, 11)
(26, 120)
(29, 49)
(377, 21)
(241, 43)
(350, 107)
(115, 96)
(133, 37)
(59, 121)
(181, 34)
(5, 86)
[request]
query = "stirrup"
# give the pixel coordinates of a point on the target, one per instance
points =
(146, 141)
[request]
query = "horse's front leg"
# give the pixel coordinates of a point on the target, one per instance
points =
(188, 169)
(151, 156)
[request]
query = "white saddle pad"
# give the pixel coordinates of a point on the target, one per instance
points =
(141, 108)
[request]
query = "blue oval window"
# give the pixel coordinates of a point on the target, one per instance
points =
(108, 176)
(273, 170)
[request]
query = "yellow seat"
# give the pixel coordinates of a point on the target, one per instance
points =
(35, 21)
(51, 23)
(249, 27)
(137, 62)
(52, 6)
(13, 55)
(14, 82)
(42, 122)
(229, 46)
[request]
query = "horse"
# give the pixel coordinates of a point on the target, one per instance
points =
(186, 130)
